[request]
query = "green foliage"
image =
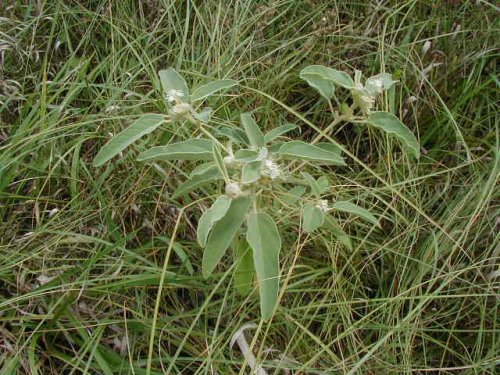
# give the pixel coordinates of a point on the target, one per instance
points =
(299, 150)
(216, 212)
(245, 269)
(391, 125)
(265, 241)
(335, 77)
(355, 210)
(193, 149)
(252, 130)
(279, 131)
(85, 252)
(223, 232)
(211, 88)
(256, 168)
(173, 81)
(312, 217)
(140, 127)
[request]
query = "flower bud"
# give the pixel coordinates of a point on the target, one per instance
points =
(181, 109)
(323, 205)
(229, 160)
(233, 190)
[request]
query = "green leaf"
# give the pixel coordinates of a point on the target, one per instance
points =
(235, 135)
(204, 114)
(384, 78)
(325, 87)
(251, 172)
(391, 124)
(294, 194)
(197, 181)
(210, 217)
(330, 147)
(142, 126)
(280, 130)
(312, 183)
(246, 155)
(245, 269)
(355, 210)
(336, 77)
(265, 241)
(211, 88)
(252, 130)
(305, 151)
(193, 149)
(202, 168)
(337, 231)
(274, 148)
(323, 184)
(171, 80)
(219, 161)
(312, 217)
(223, 233)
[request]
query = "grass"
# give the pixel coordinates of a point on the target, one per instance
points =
(82, 250)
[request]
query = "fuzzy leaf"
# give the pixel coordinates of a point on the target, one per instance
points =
(323, 184)
(312, 217)
(204, 114)
(223, 233)
(219, 161)
(312, 183)
(280, 130)
(294, 194)
(265, 241)
(356, 210)
(210, 217)
(336, 77)
(306, 151)
(211, 88)
(171, 80)
(196, 181)
(391, 124)
(235, 135)
(251, 172)
(142, 126)
(324, 86)
(245, 269)
(330, 147)
(252, 130)
(202, 168)
(193, 149)
(384, 78)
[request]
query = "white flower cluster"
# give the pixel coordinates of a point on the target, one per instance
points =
(181, 109)
(365, 103)
(323, 205)
(271, 169)
(233, 189)
(365, 94)
(174, 96)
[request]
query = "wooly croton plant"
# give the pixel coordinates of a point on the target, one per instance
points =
(258, 170)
